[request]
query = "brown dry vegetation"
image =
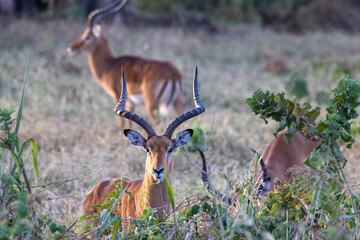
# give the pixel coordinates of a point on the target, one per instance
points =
(71, 116)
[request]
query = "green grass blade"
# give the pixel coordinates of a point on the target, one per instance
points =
(2, 165)
(170, 191)
(18, 117)
(16, 159)
(34, 151)
(19, 163)
(116, 227)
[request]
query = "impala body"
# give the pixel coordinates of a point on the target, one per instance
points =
(153, 184)
(157, 84)
(158, 163)
(279, 157)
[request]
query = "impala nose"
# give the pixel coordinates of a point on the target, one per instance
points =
(158, 174)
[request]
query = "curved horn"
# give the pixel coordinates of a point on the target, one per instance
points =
(97, 14)
(120, 111)
(200, 108)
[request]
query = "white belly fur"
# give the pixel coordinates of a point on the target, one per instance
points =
(164, 108)
(167, 100)
(136, 99)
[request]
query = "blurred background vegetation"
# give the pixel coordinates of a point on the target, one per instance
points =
(290, 15)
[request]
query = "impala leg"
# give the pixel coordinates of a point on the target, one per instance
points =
(179, 104)
(150, 102)
(150, 109)
(130, 106)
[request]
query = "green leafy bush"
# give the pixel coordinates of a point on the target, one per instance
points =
(327, 200)
(19, 218)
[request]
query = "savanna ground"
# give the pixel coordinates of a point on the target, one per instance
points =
(71, 116)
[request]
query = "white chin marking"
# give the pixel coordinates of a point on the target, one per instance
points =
(158, 180)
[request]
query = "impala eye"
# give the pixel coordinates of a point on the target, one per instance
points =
(88, 37)
(170, 150)
(148, 150)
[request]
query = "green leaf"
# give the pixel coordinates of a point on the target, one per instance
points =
(61, 229)
(16, 159)
(82, 228)
(34, 151)
(337, 153)
(306, 106)
(193, 210)
(206, 207)
(53, 227)
(282, 124)
(170, 191)
(313, 114)
(322, 126)
(279, 99)
(345, 137)
(307, 162)
(290, 132)
(115, 229)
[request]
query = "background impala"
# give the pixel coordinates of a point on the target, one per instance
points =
(280, 158)
(276, 163)
(156, 84)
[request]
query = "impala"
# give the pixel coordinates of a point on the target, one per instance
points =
(156, 84)
(278, 158)
(158, 163)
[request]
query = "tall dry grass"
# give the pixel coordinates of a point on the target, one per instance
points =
(71, 117)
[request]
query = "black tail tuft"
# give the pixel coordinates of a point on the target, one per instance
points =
(264, 188)
(205, 179)
(204, 173)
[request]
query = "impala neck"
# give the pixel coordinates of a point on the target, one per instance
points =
(156, 195)
(100, 58)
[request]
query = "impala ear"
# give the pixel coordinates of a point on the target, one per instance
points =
(182, 138)
(135, 138)
(96, 30)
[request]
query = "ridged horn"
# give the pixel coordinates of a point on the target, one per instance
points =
(200, 108)
(97, 14)
(120, 111)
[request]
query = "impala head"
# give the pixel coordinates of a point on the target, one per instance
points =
(159, 148)
(89, 39)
